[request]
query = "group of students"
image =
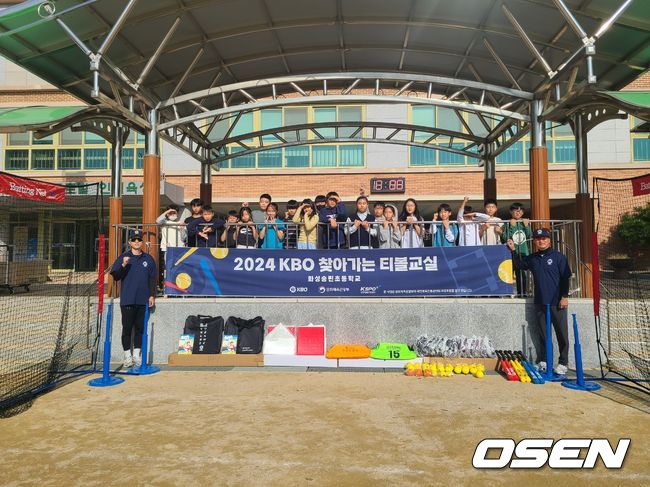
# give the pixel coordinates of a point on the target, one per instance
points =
(324, 223)
(384, 228)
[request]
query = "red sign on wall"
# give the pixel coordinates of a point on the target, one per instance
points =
(641, 185)
(31, 189)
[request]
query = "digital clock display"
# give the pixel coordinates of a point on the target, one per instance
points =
(388, 185)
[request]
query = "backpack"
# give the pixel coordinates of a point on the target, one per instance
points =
(207, 331)
(250, 333)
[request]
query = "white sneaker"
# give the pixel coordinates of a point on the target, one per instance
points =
(128, 359)
(561, 369)
(137, 357)
(541, 367)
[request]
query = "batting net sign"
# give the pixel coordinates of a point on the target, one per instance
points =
(448, 271)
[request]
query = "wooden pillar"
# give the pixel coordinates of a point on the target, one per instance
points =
(114, 238)
(151, 203)
(540, 205)
(539, 198)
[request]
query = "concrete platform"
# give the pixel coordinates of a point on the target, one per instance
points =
(506, 321)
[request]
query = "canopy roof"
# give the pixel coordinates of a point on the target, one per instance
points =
(213, 58)
(24, 119)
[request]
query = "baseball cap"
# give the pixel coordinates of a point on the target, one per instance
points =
(542, 233)
(133, 234)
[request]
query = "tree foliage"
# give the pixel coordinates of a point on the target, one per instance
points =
(634, 228)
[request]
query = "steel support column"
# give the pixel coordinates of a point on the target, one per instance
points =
(539, 195)
(489, 175)
(205, 190)
(584, 204)
(115, 205)
(151, 190)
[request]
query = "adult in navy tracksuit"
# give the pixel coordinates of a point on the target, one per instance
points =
(138, 274)
(205, 231)
(332, 217)
(551, 274)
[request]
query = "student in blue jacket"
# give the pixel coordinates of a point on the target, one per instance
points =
(137, 272)
(551, 274)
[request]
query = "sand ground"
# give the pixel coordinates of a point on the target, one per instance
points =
(317, 428)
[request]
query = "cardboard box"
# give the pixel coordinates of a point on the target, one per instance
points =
(216, 360)
(489, 363)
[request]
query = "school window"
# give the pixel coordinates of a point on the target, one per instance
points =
(324, 156)
(425, 116)
(270, 119)
(565, 151)
(139, 157)
(351, 155)
(295, 116)
(43, 159)
(349, 114)
(19, 139)
(17, 160)
(68, 137)
(448, 120)
(452, 158)
(242, 162)
(421, 156)
(94, 139)
(324, 115)
(95, 158)
(512, 155)
(296, 156)
(69, 159)
(127, 159)
(44, 141)
(641, 149)
(243, 126)
(270, 158)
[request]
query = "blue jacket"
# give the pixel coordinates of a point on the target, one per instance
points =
(333, 237)
(138, 278)
(551, 274)
(197, 226)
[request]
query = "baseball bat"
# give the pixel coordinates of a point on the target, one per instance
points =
(519, 369)
(506, 368)
(532, 370)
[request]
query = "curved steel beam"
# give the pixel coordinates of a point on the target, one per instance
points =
(315, 128)
(340, 140)
(371, 76)
(343, 99)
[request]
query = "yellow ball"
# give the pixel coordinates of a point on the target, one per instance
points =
(410, 366)
(441, 367)
(465, 369)
(479, 374)
(425, 366)
(183, 280)
(434, 371)
(472, 369)
(458, 369)
(219, 253)
(449, 368)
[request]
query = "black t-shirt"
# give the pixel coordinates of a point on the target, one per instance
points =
(245, 236)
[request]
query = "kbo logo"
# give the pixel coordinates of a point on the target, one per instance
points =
(537, 452)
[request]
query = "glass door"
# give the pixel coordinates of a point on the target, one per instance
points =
(64, 247)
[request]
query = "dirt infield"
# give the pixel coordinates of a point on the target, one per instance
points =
(291, 428)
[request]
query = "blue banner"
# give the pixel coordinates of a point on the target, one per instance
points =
(446, 271)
